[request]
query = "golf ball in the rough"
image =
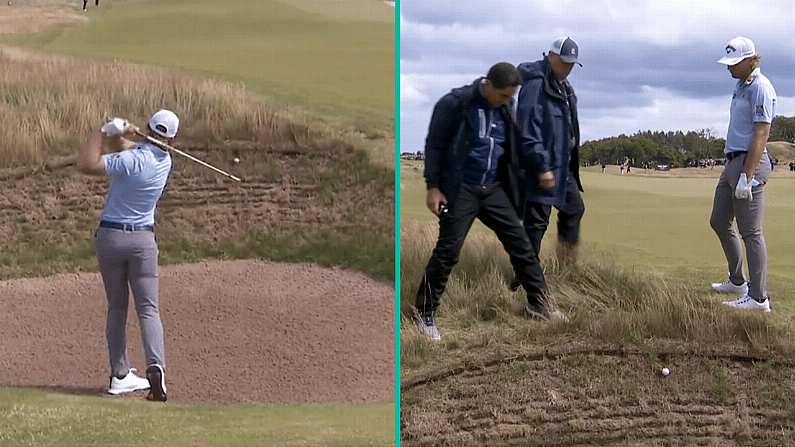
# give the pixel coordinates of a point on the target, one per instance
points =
(236, 160)
(666, 372)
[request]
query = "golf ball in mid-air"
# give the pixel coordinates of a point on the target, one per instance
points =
(666, 372)
(236, 160)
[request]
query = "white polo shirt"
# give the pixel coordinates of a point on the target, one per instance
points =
(751, 103)
(138, 177)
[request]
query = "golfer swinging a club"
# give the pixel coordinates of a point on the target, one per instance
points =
(125, 242)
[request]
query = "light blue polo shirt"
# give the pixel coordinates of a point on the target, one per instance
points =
(751, 103)
(138, 177)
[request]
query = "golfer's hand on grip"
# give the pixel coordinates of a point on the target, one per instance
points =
(118, 127)
(434, 200)
(546, 180)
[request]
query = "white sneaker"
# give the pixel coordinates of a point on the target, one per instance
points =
(128, 384)
(545, 313)
(427, 327)
(748, 303)
(729, 287)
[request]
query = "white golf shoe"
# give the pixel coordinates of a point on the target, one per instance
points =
(729, 287)
(128, 384)
(748, 303)
(544, 313)
(427, 327)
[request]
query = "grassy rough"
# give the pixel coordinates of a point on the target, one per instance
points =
(50, 103)
(606, 303)
(336, 61)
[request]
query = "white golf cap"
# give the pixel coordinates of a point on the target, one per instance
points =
(738, 49)
(567, 49)
(164, 123)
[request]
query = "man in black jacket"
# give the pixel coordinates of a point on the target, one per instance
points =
(471, 172)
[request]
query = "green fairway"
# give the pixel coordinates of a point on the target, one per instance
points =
(35, 418)
(660, 223)
(334, 59)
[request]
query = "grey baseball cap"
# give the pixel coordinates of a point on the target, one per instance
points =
(567, 49)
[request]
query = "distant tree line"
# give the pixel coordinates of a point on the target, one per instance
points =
(783, 129)
(671, 148)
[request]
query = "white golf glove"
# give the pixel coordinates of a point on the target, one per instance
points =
(743, 189)
(115, 127)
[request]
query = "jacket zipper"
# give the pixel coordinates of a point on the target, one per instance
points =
(491, 147)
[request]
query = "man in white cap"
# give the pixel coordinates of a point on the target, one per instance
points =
(125, 242)
(550, 141)
(85, 4)
(740, 190)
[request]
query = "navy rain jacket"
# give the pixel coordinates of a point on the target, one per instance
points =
(454, 123)
(545, 120)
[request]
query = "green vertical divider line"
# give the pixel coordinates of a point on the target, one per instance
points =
(397, 223)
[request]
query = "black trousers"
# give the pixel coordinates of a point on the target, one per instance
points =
(536, 217)
(491, 205)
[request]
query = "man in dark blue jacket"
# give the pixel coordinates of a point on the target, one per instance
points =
(471, 171)
(550, 141)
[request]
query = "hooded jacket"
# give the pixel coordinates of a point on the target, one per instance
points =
(546, 121)
(455, 119)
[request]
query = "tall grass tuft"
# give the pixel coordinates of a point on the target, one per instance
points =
(48, 103)
(342, 214)
(605, 302)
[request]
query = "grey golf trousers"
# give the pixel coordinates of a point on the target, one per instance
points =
(748, 214)
(128, 260)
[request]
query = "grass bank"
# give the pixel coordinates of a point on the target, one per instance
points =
(31, 418)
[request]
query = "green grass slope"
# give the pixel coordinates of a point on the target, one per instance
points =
(335, 60)
(36, 418)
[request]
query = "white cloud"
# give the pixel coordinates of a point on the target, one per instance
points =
(461, 34)
(785, 105)
(416, 105)
(446, 43)
(665, 22)
(666, 111)
(410, 94)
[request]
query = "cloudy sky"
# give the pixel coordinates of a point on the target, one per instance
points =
(647, 64)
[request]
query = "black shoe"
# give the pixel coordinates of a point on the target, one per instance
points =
(515, 284)
(157, 383)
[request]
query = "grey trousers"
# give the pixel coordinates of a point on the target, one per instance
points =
(749, 214)
(128, 261)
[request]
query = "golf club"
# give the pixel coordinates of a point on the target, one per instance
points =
(186, 155)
